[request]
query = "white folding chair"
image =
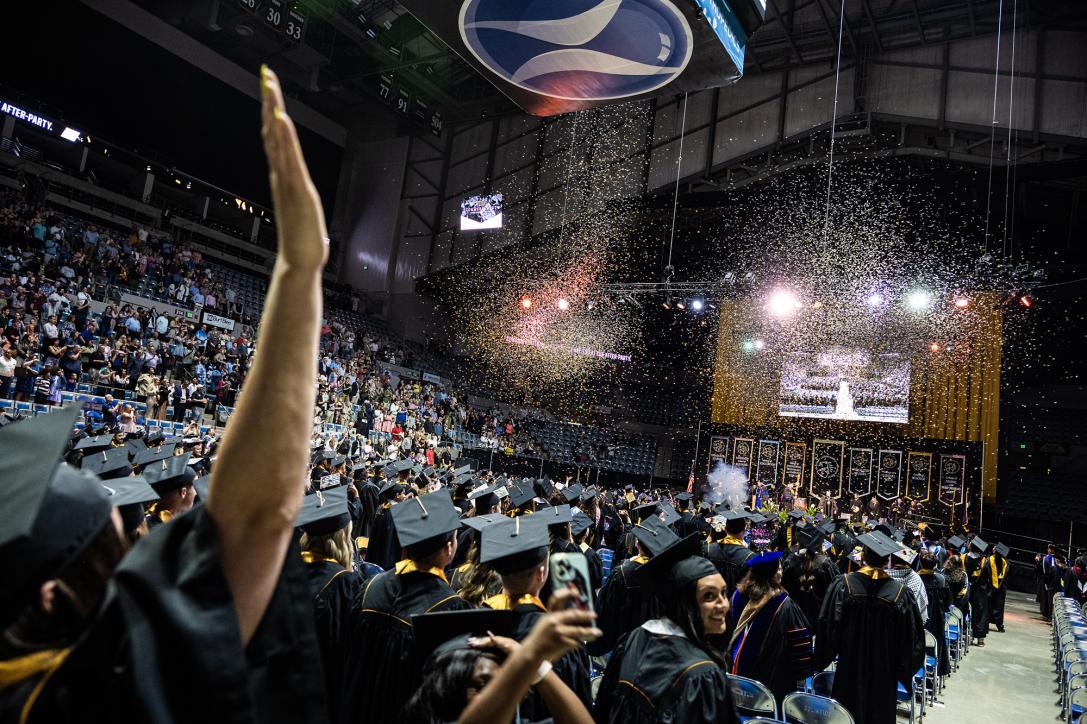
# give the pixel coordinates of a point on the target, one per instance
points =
(802, 708)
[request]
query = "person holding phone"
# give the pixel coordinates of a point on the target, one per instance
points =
(517, 548)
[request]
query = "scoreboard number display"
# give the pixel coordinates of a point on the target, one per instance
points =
(282, 15)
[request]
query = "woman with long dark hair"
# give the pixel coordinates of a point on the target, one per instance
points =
(667, 669)
(807, 575)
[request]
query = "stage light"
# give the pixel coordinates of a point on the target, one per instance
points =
(962, 302)
(749, 345)
(934, 347)
(563, 304)
(759, 344)
(697, 305)
(526, 302)
(1026, 301)
(680, 305)
(70, 134)
(666, 304)
(919, 300)
(783, 303)
(875, 299)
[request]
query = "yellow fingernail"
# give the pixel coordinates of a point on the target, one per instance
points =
(264, 70)
(280, 114)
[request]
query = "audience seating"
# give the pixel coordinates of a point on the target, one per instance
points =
(752, 698)
(803, 708)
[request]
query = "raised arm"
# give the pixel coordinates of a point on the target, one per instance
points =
(256, 487)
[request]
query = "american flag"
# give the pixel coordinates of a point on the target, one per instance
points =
(690, 482)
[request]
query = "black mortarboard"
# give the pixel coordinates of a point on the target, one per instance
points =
(676, 566)
(485, 498)
(890, 531)
(202, 485)
(557, 514)
(108, 464)
(390, 488)
(644, 511)
(796, 514)
(390, 471)
(324, 512)
(338, 461)
(654, 535)
(462, 470)
(588, 494)
(979, 543)
(94, 444)
(320, 455)
(905, 554)
(956, 542)
(403, 466)
(572, 493)
(811, 539)
(827, 527)
(425, 518)
(580, 524)
(878, 543)
(129, 491)
(437, 633)
(169, 474)
(479, 522)
(521, 496)
(514, 544)
(48, 512)
(462, 480)
(684, 496)
(135, 446)
(668, 514)
(545, 489)
(153, 455)
(154, 437)
(1002, 549)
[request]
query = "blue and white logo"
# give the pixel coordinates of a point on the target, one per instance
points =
(579, 50)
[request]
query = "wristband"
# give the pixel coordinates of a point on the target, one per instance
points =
(544, 670)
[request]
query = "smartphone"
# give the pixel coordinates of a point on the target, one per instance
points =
(571, 571)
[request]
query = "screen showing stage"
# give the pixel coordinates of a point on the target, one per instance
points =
(481, 212)
(843, 383)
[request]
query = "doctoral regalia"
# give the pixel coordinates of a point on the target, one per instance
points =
(167, 629)
(655, 677)
(384, 548)
(622, 606)
(871, 623)
(333, 591)
(808, 594)
(939, 603)
(775, 647)
(381, 669)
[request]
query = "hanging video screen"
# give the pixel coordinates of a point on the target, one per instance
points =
(843, 383)
(481, 212)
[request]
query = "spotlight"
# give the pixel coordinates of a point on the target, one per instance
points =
(70, 134)
(783, 303)
(697, 305)
(759, 344)
(1026, 300)
(667, 304)
(919, 300)
(962, 302)
(680, 305)
(563, 304)
(749, 345)
(526, 302)
(934, 347)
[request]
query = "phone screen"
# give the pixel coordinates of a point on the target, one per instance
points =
(571, 571)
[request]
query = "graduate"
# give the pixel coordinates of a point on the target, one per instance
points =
(207, 618)
(474, 581)
(687, 523)
(517, 548)
(326, 547)
(172, 479)
(383, 549)
(580, 528)
(380, 669)
(729, 552)
(623, 605)
(807, 575)
(998, 568)
(871, 623)
(771, 640)
(665, 670)
(130, 496)
(977, 571)
(939, 603)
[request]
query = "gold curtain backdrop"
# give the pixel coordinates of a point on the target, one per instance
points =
(954, 392)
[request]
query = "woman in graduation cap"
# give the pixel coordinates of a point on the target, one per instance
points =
(207, 618)
(666, 670)
(771, 639)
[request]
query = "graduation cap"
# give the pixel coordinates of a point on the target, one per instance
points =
(132, 490)
(572, 493)
(905, 554)
(580, 524)
(557, 514)
(642, 512)
(485, 498)
(796, 514)
(811, 539)
(462, 470)
(108, 464)
(169, 474)
(676, 566)
(155, 437)
(320, 455)
(438, 633)
(202, 485)
(684, 496)
(324, 512)
(135, 445)
(48, 512)
(588, 494)
(338, 461)
(390, 488)
(544, 488)
(153, 455)
(843, 541)
(956, 542)
(668, 514)
(464, 479)
(1002, 550)
(980, 544)
(514, 544)
(520, 496)
(479, 522)
(890, 531)
(424, 520)
(878, 543)
(94, 444)
(763, 563)
(654, 536)
(827, 527)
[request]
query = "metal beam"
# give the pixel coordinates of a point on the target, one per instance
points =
(788, 36)
(872, 24)
(920, 27)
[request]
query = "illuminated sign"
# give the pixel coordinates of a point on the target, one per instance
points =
(26, 116)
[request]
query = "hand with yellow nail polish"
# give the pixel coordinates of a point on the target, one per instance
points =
(300, 219)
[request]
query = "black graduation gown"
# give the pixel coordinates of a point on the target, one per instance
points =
(368, 496)
(874, 628)
(777, 649)
(659, 678)
(686, 525)
(381, 671)
(166, 648)
(622, 606)
(596, 567)
(977, 569)
(728, 559)
(333, 590)
(939, 603)
(808, 594)
(384, 547)
(997, 594)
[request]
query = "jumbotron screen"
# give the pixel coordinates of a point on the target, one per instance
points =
(846, 384)
(481, 212)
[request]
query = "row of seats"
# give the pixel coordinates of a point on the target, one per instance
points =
(1070, 656)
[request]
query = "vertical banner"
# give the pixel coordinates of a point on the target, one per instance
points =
(919, 477)
(793, 470)
(889, 480)
(718, 452)
(952, 479)
(766, 471)
(743, 450)
(860, 470)
(827, 467)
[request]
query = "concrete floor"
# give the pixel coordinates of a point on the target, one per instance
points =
(1009, 680)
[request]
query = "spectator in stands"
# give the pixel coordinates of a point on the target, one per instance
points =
(198, 401)
(8, 364)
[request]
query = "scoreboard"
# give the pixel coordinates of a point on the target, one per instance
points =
(282, 15)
